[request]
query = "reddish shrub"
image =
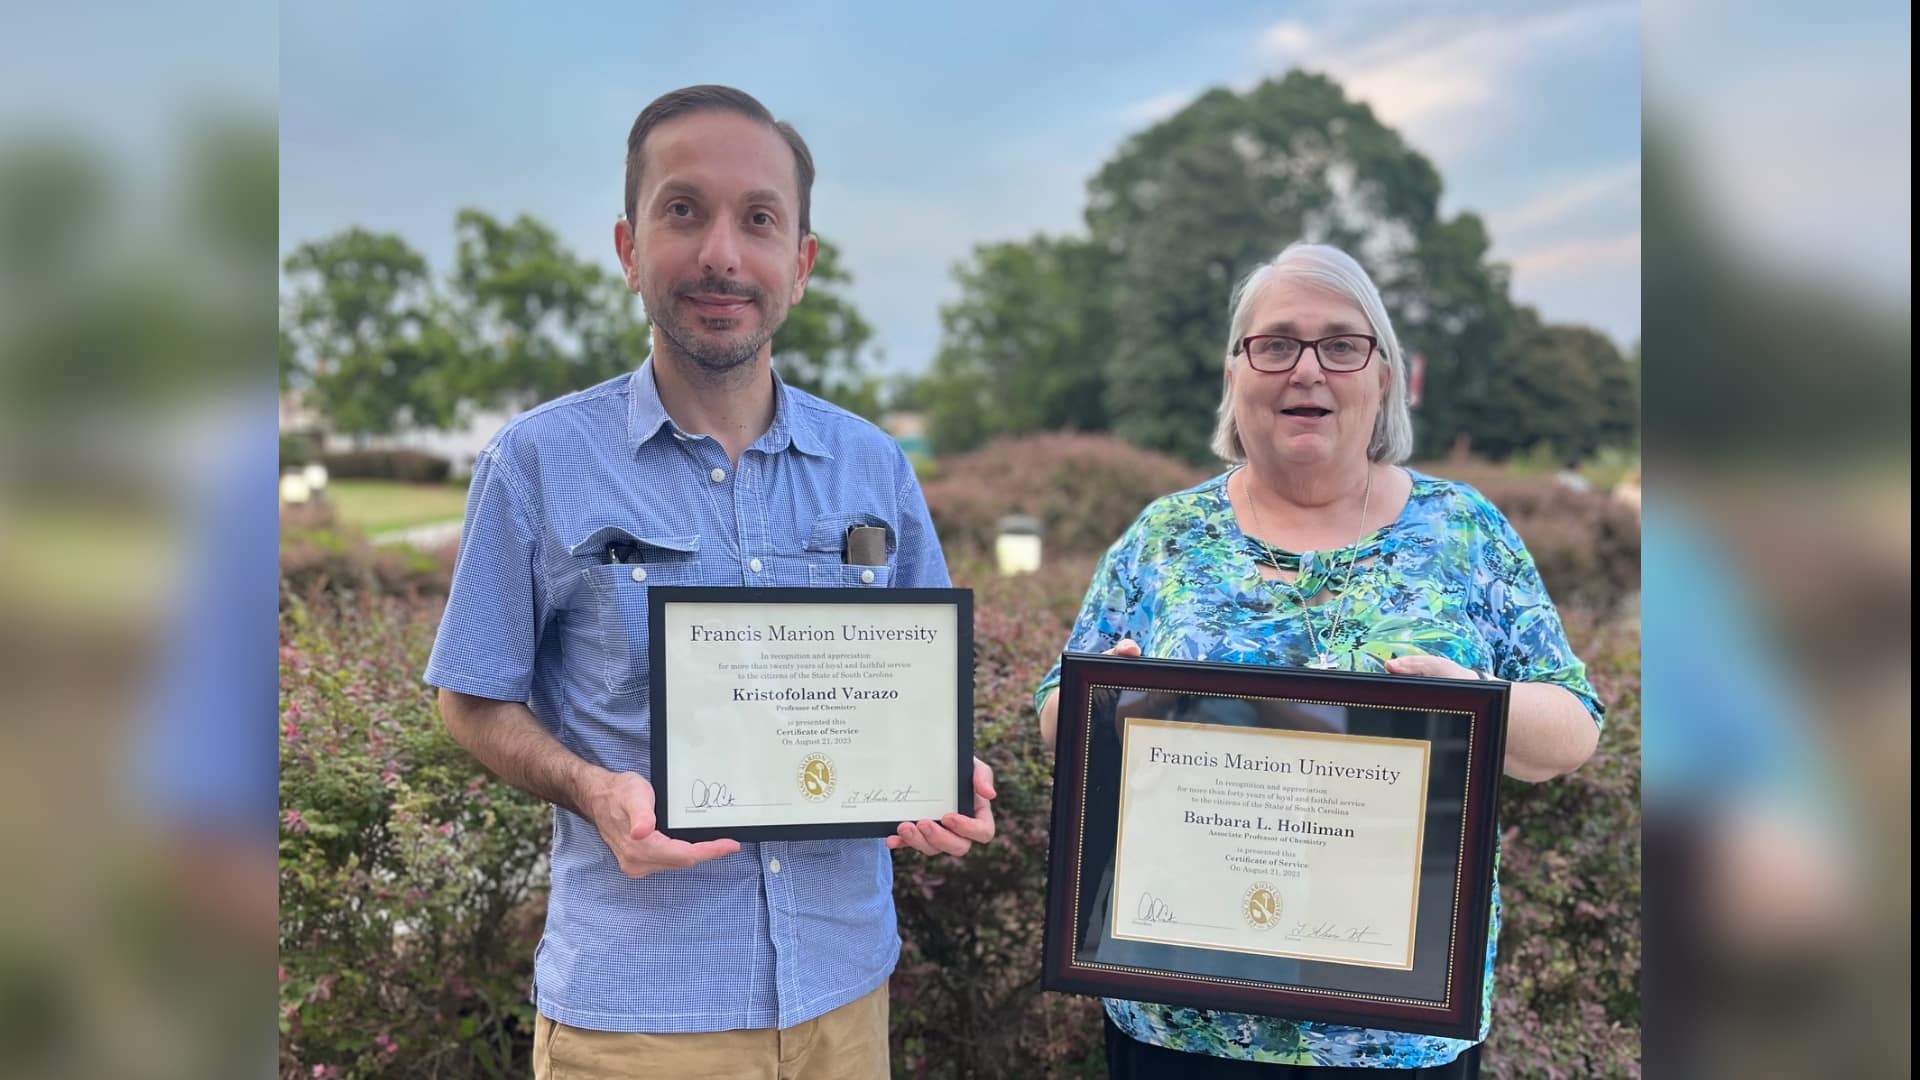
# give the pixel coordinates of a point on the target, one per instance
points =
(411, 885)
(408, 946)
(1567, 1002)
(317, 552)
(1084, 489)
(966, 998)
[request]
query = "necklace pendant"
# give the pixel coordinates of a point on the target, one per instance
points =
(1323, 662)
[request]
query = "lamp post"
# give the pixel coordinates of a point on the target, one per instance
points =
(1017, 547)
(294, 490)
(316, 478)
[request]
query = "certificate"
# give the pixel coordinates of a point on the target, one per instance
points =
(1270, 841)
(1285, 842)
(808, 714)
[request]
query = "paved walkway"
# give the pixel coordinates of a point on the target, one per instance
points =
(424, 537)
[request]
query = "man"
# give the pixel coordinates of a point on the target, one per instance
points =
(662, 957)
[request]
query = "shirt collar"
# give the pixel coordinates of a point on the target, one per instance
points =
(793, 425)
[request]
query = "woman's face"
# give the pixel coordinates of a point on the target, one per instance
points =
(1308, 416)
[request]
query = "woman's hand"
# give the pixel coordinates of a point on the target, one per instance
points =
(1438, 667)
(1126, 648)
(1549, 732)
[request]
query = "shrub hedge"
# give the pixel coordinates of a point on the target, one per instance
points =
(412, 884)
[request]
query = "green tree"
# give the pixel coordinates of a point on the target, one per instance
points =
(1023, 349)
(291, 371)
(822, 346)
(360, 314)
(538, 321)
(1175, 269)
(1188, 206)
(1565, 387)
(110, 303)
(1452, 305)
(1617, 420)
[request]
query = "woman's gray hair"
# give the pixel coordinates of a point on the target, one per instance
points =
(1334, 270)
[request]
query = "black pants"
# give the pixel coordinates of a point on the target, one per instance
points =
(1130, 1059)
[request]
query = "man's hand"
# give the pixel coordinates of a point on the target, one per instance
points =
(621, 807)
(953, 834)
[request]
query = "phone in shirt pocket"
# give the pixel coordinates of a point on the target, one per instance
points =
(621, 565)
(826, 550)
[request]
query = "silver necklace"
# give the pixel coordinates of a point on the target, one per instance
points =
(1323, 655)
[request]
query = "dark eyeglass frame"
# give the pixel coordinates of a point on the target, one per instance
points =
(1245, 348)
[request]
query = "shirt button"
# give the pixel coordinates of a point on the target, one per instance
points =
(773, 866)
(866, 577)
(754, 566)
(718, 475)
(639, 573)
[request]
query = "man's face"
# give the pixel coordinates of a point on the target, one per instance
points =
(714, 249)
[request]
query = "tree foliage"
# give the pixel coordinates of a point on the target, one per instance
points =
(361, 313)
(822, 347)
(379, 345)
(1124, 328)
(1024, 346)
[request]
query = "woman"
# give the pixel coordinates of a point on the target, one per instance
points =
(1317, 549)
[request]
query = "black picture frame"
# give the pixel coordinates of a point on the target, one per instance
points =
(1440, 994)
(659, 598)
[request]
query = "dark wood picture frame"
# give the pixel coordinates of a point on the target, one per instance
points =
(1441, 995)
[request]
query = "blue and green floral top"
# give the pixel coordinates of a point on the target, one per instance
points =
(1449, 577)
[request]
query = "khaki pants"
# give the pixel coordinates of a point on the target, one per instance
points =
(849, 1043)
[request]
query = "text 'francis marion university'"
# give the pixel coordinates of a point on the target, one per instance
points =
(783, 632)
(1305, 766)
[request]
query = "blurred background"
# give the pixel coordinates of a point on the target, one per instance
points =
(138, 188)
(309, 260)
(1777, 562)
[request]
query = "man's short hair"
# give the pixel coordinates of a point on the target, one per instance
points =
(696, 98)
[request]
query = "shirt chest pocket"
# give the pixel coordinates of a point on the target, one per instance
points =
(825, 552)
(614, 632)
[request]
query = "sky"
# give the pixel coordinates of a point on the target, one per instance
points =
(939, 127)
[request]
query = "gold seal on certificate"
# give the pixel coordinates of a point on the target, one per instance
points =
(1277, 841)
(1261, 906)
(809, 714)
(816, 777)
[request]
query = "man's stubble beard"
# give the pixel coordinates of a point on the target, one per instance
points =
(719, 363)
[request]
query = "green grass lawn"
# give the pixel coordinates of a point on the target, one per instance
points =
(378, 506)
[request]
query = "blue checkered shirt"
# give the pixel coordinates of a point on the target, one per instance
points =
(780, 932)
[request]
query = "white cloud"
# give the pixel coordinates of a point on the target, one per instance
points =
(1449, 84)
(1596, 255)
(1552, 206)
(1286, 40)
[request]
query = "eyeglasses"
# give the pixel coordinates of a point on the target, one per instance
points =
(1276, 353)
